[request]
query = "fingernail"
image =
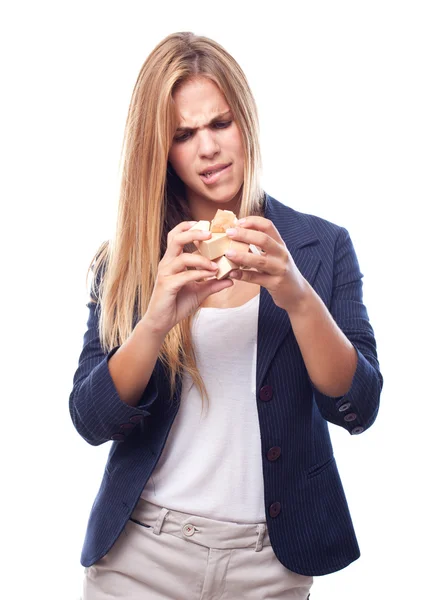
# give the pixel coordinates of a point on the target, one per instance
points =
(230, 231)
(241, 221)
(215, 265)
(230, 253)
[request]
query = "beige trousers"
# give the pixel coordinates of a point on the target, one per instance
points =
(169, 555)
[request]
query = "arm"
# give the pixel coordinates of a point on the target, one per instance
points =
(328, 354)
(113, 392)
(131, 366)
(97, 409)
(338, 346)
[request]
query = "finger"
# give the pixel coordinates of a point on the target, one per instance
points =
(263, 225)
(191, 260)
(257, 238)
(251, 277)
(185, 277)
(265, 263)
(183, 226)
(212, 287)
(180, 239)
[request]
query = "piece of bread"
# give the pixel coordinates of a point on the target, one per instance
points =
(224, 219)
(238, 246)
(255, 249)
(225, 266)
(219, 243)
(215, 247)
(201, 225)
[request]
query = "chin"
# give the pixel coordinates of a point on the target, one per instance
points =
(222, 198)
(223, 195)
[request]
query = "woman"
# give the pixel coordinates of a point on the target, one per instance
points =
(221, 480)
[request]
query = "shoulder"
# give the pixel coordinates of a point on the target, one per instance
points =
(301, 226)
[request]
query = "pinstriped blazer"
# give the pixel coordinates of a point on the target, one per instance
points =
(308, 518)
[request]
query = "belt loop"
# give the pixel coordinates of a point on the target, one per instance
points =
(261, 527)
(160, 519)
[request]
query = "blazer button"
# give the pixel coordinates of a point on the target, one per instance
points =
(136, 419)
(274, 509)
(273, 453)
(265, 393)
(127, 426)
(357, 430)
(350, 417)
(344, 406)
(118, 437)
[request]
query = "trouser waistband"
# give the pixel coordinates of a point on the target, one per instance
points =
(201, 530)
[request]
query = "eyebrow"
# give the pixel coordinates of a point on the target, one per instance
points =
(214, 120)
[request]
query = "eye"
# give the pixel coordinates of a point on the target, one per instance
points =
(222, 124)
(217, 125)
(182, 138)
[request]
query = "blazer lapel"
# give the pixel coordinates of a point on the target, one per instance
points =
(273, 322)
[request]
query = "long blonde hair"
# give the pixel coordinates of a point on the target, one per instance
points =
(151, 196)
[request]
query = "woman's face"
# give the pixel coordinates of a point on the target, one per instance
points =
(207, 137)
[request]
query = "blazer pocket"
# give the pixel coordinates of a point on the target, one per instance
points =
(319, 468)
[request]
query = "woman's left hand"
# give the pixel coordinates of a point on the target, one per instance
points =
(275, 268)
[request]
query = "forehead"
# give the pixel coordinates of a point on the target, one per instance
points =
(197, 101)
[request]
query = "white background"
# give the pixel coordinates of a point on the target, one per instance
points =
(343, 91)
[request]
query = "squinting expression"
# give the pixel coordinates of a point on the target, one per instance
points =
(207, 137)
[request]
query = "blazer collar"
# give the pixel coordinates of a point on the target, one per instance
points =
(302, 243)
(292, 225)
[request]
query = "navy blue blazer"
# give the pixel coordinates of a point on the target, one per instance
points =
(308, 518)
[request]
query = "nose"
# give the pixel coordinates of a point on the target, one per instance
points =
(208, 145)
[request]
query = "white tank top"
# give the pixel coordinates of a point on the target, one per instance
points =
(211, 464)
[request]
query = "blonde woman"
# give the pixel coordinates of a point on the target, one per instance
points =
(216, 393)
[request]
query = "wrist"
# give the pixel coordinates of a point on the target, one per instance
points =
(150, 330)
(299, 303)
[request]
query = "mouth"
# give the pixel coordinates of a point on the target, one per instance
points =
(213, 176)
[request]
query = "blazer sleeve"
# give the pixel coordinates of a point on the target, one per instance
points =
(98, 413)
(357, 410)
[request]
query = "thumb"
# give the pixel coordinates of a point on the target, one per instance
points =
(212, 286)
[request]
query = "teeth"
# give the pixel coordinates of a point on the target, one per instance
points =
(209, 173)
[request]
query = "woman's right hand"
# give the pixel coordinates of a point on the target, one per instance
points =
(177, 291)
